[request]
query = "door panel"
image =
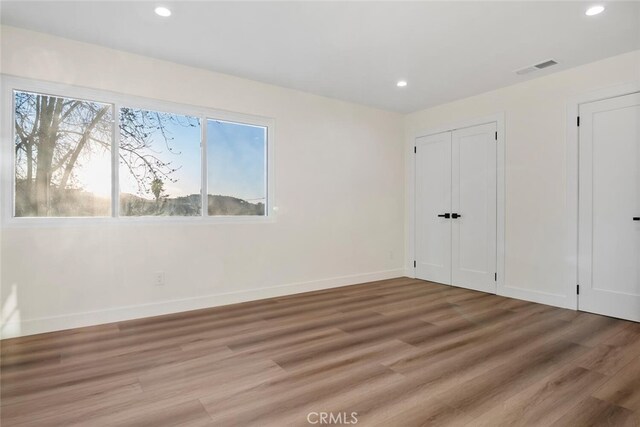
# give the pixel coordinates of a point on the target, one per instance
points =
(433, 198)
(609, 199)
(474, 199)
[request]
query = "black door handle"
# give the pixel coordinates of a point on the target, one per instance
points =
(444, 216)
(636, 218)
(455, 215)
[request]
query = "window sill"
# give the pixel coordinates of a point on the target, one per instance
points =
(77, 222)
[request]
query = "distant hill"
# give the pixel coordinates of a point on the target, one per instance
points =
(187, 206)
(82, 203)
(227, 205)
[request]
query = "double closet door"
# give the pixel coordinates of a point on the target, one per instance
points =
(455, 214)
(609, 207)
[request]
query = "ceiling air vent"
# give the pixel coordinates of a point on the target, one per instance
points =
(536, 67)
(545, 64)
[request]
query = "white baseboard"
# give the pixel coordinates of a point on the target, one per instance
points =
(555, 300)
(410, 272)
(76, 320)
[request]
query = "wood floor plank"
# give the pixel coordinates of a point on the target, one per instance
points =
(477, 395)
(397, 352)
(544, 402)
(593, 412)
(188, 414)
(45, 406)
(623, 389)
(286, 394)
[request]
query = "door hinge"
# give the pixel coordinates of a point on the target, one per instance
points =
(577, 289)
(414, 264)
(578, 121)
(496, 136)
(415, 149)
(495, 277)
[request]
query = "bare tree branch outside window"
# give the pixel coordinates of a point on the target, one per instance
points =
(63, 161)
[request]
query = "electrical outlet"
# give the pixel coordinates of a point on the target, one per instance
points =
(158, 278)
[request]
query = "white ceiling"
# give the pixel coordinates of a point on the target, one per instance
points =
(354, 51)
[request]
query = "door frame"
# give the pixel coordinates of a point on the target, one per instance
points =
(572, 181)
(499, 119)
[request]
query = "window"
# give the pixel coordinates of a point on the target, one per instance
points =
(159, 164)
(236, 159)
(84, 153)
(62, 156)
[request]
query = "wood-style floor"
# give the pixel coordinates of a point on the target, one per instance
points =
(400, 352)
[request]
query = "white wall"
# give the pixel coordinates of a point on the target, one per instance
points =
(538, 261)
(339, 189)
(340, 174)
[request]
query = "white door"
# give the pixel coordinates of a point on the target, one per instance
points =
(433, 203)
(609, 207)
(473, 262)
(456, 207)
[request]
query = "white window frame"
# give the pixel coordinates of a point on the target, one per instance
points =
(9, 84)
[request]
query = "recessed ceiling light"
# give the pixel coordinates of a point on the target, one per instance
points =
(163, 11)
(594, 10)
(401, 83)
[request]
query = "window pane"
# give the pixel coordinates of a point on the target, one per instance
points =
(63, 156)
(236, 165)
(159, 164)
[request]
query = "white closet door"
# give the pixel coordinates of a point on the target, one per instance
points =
(609, 200)
(474, 200)
(433, 201)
